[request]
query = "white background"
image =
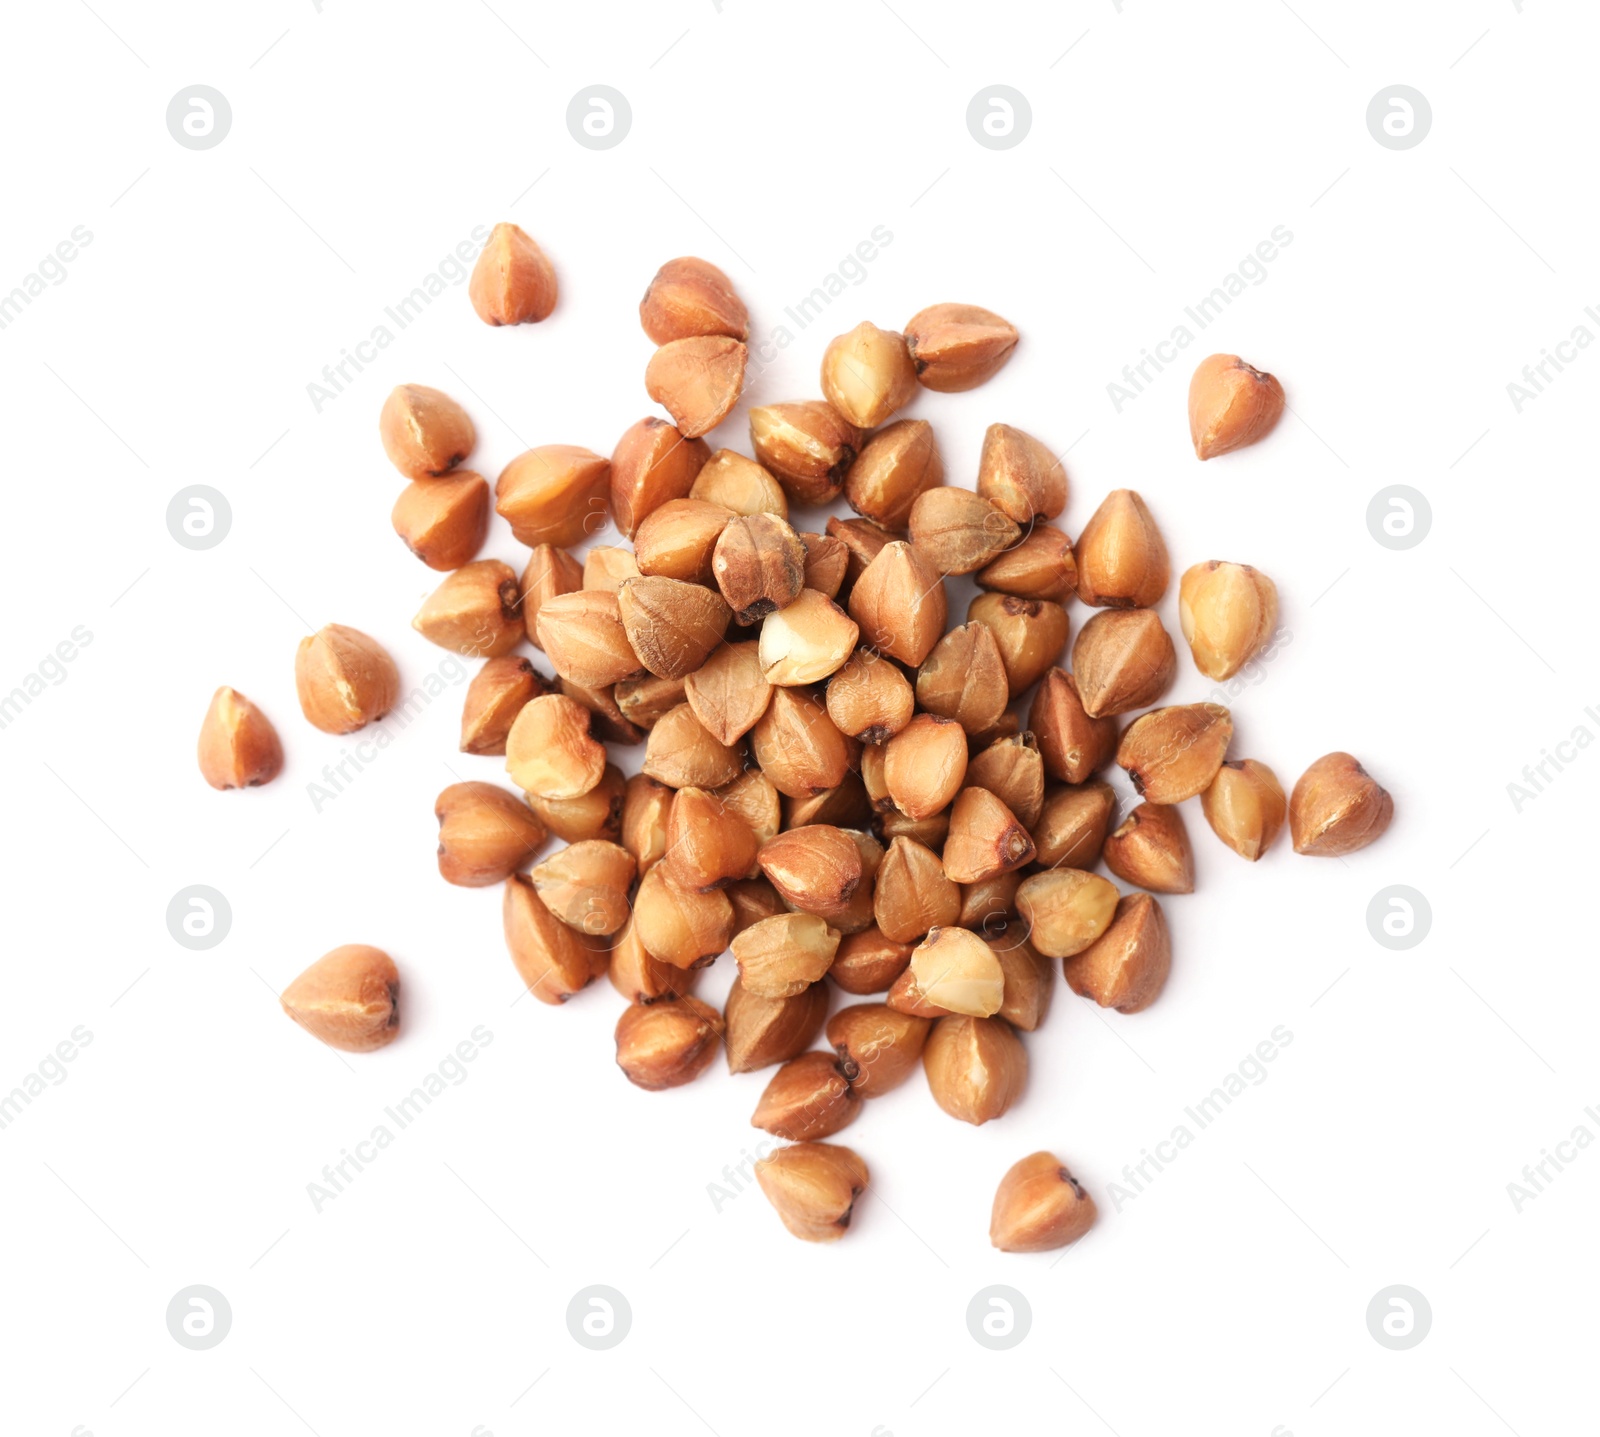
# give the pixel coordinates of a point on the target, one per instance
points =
(1167, 140)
